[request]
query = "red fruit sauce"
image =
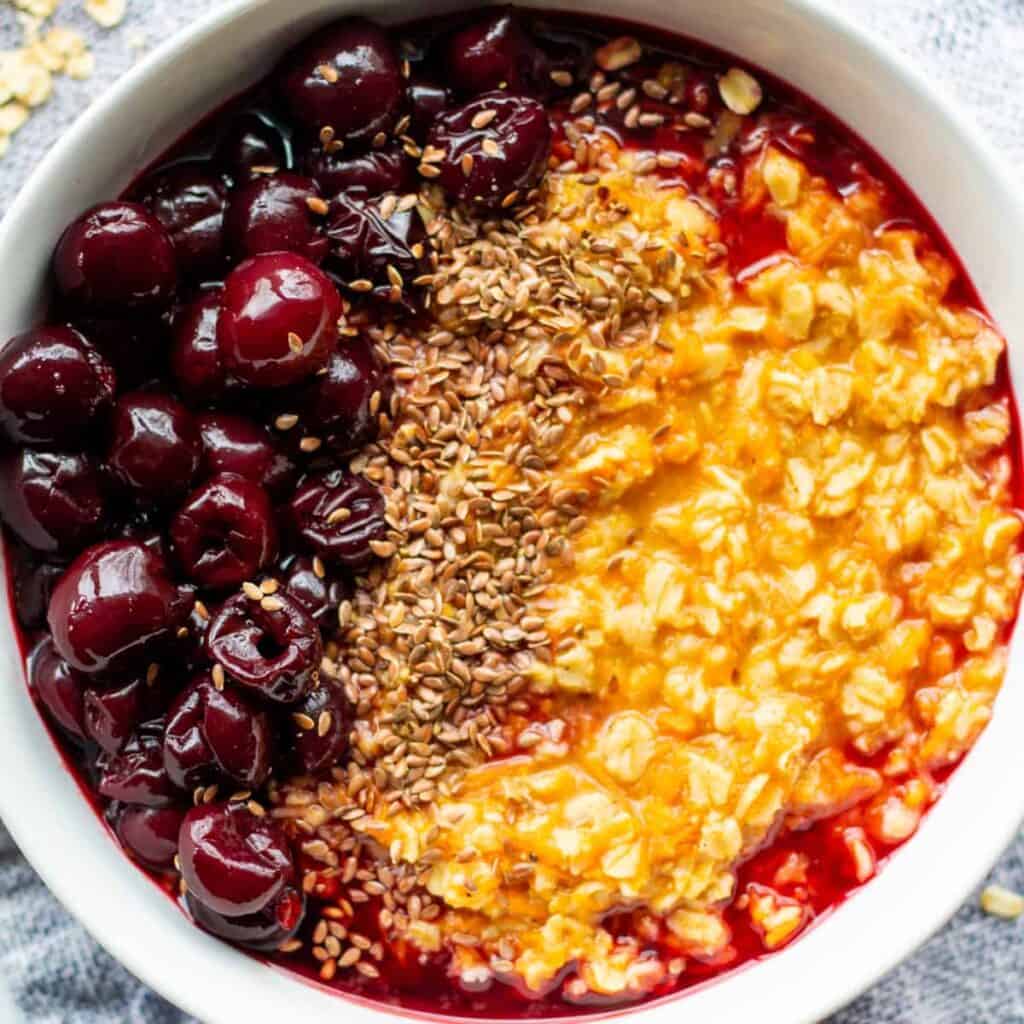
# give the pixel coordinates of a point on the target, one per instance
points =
(753, 239)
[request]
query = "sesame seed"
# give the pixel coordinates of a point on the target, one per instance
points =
(317, 205)
(286, 421)
(295, 343)
(217, 675)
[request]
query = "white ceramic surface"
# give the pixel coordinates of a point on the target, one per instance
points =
(804, 41)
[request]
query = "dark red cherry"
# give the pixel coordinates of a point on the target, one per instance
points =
(53, 386)
(509, 154)
(136, 774)
(213, 733)
(318, 589)
(116, 257)
(364, 244)
(189, 199)
(59, 688)
(338, 515)
(195, 356)
(375, 171)
(150, 834)
(253, 143)
(272, 214)
(115, 606)
(342, 406)
(225, 532)
(234, 444)
(33, 584)
(316, 748)
(346, 76)
(53, 502)
(271, 646)
(279, 320)
(112, 715)
(232, 861)
(265, 931)
(155, 447)
(426, 101)
(495, 53)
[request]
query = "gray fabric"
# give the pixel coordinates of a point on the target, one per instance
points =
(970, 972)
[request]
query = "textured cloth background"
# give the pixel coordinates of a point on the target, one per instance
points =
(972, 971)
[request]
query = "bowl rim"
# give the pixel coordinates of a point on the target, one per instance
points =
(860, 974)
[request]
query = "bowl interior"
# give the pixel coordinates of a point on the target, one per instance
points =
(801, 41)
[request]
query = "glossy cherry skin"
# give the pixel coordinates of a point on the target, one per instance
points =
(59, 688)
(117, 257)
(316, 517)
(195, 355)
(272, 214)
(342, 406)
(279, 320)
(112, 715)
(55, 503)
(235, 444)
(225, 532)
(364, 244)
(155, 447)
(53, 387)
(136, 774)
(321, 747)
(115, 606)
(375, 172)
(271, 646)
(495, 53)
(319, 593)
(213, 734)
(150, 834)
(264, 931)
(426, 101)
(233, 862)
(33, 584)
(362, 89)
(521, 134)
(189, 199)
(253, 143)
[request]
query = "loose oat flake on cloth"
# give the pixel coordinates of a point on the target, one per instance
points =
(970, 971)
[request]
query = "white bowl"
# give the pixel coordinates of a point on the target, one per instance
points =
(875, 91)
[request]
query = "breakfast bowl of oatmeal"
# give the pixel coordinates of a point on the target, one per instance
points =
(512, 514)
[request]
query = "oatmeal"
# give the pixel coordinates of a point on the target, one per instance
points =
(618, 554)
(798, 546)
